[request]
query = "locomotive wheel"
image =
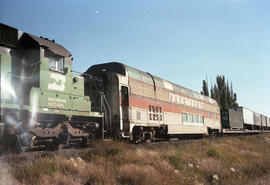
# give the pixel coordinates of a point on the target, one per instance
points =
(215, 133)
(84, 142)
(12, 143)
(54, 145)
(137, 136)
(19, 146)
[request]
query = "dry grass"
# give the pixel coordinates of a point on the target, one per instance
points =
(235, 160)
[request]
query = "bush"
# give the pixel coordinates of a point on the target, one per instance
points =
(32, 173)
(132, 174)
(177, 162)
(113, 150)
(212, 152)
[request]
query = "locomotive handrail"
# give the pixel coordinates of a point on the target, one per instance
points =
(24, 77)
(81, 73)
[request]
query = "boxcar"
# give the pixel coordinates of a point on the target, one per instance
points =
(248, 117)
(144, 106)
(264, 122)
(257, 121)
(231, 119)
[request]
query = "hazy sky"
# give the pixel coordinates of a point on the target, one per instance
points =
(182, 41)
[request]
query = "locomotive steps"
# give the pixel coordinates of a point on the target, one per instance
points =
(227, 160)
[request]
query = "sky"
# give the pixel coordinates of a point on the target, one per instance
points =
(182, 41)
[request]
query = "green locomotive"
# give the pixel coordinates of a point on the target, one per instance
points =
(42, 101)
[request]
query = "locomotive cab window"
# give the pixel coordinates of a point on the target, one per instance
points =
(57, 64)
(56, 61)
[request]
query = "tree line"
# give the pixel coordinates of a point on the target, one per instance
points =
(222, 92)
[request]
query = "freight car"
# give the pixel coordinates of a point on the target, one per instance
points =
(264, 122)
(267, 123)
(232, 120)
(42, 101)
(257, 121)
(145, 107)
(248, 117)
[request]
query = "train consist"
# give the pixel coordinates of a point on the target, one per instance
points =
(43, 103)
(243, 120)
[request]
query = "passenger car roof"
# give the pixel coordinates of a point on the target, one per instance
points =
(122, 69)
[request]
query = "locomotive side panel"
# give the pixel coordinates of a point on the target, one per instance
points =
(6, 91)
(5, 81)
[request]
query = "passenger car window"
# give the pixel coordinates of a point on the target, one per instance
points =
(190, 118)
(184, 117)
(196, 119)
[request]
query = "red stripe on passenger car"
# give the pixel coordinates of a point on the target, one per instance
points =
(144, 102)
